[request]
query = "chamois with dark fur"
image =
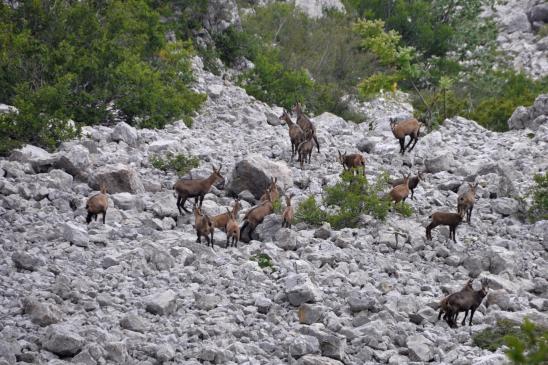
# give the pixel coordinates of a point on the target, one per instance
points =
(443, 302)
(203, 225)
(445, 219)
(464, 301)
(465, 201)
(197, 188)
(305, 123)
(273, 188)
(413, 182)
(409, 127)
(256, 215)
(288, 215)
(353, 161)
(232, 230)
(296, 133)
(400, 192)
(97, 204)
(219, 221)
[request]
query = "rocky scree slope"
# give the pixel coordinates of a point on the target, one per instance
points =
(139, 290)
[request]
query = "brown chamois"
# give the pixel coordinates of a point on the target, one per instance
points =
(305, 149)
(273, 191)
(219, 221)
(443, 302)
(255, 216)
(232, 229)
(400, 192)
(97, 204)
(288, 214)
(413, 182)
(296, 133)
(465, 202)
(445, 219)
(464, 301)
(409, 127)
(197, 188)
(305, 123)
(203, 225)
(352, 162)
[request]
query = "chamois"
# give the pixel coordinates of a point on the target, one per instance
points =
(232, 229)
(413, 182)
(203, 225)
(465, 202)
(305, 123)
(409, 127)
(288, 214)
(400, 192)
(273, 191)
(97, 204)
(352, 161)
(305, 149)
(219, 221)
(197, 188)
(443, 302)
(296, 133)
(446, 219)
(256, 215)
(463, 301)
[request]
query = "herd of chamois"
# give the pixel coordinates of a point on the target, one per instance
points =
(303, 138)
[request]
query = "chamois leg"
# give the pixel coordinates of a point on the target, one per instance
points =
(182, 205)
(439, 314)
(412, 193)
(201, 199)
(469, 214)
(179, 204)
(464, 319)
(316, 140)
(212, 240)
(104, 215)
(402, 144)
(472, 311)
(414, 138)
(89, 217)
(411, 138)
(429, 230)
(199, 239)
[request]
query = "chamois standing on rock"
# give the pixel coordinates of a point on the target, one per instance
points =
(97, 204)
(232, 229)
(400, 192)
(197, 188)
(305, 123)
(445, 219)
(203, 225)
(296, 133)
(288, 214)
(465, 202)
(256, 215)
(305, 149)
(409, 127)
(353, 162)
(464, 301)
(219, 221)
(443, 302)
(273, 191)
(413, 182)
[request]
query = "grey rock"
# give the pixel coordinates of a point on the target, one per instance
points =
(505, 206)
(286, 239)
(520, 117)
(58, 179)
(315, 9)
(75, 234)
(133, 322)
(491, 359)
(331, 344)
(317, 360)
(206, 301)
(116, 352)
(254, 174)
(8, 352)
(127, 201)
(124, 132)
(118, 178)
(162, 303)
(475, 264)
(360, 301)
(62, 340)
(302, 345)
(311, 313)
(158, 257)
(440, 162)
(109, 261)
(220, 15)
(263, 304)
(43, 314)
(368, 144)
(420, 348)
(30, 153)
(268, 229)
(74, 161)
(165, 205)
(538, 13)
(323, 232)
(23, 260)
(299, 289)
(165, 353)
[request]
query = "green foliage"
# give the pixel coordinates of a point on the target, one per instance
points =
(539, 193)
(75, 60)
(346, 201)
(493, 337)
(404, 209)
(277, 206)
(263, 260)
(233, 44)
(543, 31)
(179, 163)
(529, 347)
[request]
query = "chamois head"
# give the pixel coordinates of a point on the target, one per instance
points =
(341, 158)
(284, 117)
(473, 187)
(219, 181)
(297, 108)
(103, 188)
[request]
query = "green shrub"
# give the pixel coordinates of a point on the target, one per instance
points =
(493, 337)
(404, 209)
(529, 347)
(179, 163)
(277, 206)
(309, 212)
(263, 260)
(539, 193)
(233, 44)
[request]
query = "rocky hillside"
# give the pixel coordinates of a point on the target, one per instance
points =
(139, 290)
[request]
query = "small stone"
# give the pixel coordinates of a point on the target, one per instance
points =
(303, 345)
(41, 313)
(361, 301)
(263, 304)
(109, 261)
(162, 303)
(76, 235)
(419, 348)
(133, 322)
(299, 289)
(23, 260)
(206, 301)
(124, 132)
(324, 232)
(62, 340)
(310, 313)
(165, 353)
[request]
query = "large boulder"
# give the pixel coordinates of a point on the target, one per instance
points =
(124, 132)
(532, 117)
(538, 13)
(220, 15)
(439, 163)
(519, 118)
(74, 161)
(300, 289)
(162, 303)
(118, 178)
(254, 174)
(316, 8)
(43, 314)
(420, 348)
(30, 153)
(62, 340)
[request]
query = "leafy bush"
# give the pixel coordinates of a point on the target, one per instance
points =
(277, 206)
(263, 260)
(493, 337)
(77, 60)
(179, 163)
(529, 347)
(346, 201)
(539, 193)
(404, 209)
